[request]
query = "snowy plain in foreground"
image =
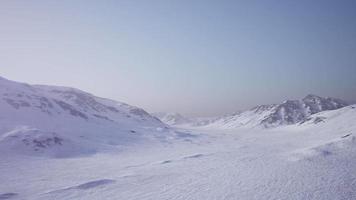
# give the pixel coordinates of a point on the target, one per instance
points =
(61, 143)
(286, 163)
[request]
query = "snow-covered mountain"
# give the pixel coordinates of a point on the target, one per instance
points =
(247, 119)
(341, 120)
(61, 121)
(172, 118)
(286, 113)
(179, 120)
(294, 111)
(312, 158)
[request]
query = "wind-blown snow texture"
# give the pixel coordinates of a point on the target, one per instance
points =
(314, 157)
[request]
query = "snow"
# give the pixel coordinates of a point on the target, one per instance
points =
(139, 157)
(232, 164)
(265, 116)
(172, 118)
(37, 115)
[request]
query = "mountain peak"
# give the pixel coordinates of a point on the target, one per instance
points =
(312, 96)
(172, 118)
(295, 111)
(286, 113)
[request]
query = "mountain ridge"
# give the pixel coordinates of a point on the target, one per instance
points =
(268, 116)
(49, 120)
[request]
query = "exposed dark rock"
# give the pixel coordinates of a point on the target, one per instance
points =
(113, 109)
(7, 195)
(71, 109)
(102, 117)
(17, 103)
(298, 111)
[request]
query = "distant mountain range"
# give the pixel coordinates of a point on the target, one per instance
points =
(61, 121)
(173, 118)
(287, 113)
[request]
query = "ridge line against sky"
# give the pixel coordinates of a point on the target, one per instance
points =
(200, 58)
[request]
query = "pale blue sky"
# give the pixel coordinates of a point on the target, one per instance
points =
(193, 57)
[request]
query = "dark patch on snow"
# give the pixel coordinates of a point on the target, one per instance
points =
(184, 135)
(42, 143)
(12, 103)
(17, 104)
(140, 112)
(87, 185)
(7, 195)
(318, 120)
(166, 162)
(93, 184)
(71, 109)
(24, 104)
(102, 117)
(47, 142)
(194, 156)
(326, 152)
(85, 101)
(44, 104)
(112, 109)
(347, 135)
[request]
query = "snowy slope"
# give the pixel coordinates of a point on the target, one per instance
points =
(179, 120)
(295, 111)
(172, 118)
(246, 119)
(325, 133)
(301, 161)
(61, 121)
(274, 115)
(340, 120)
(312, 159)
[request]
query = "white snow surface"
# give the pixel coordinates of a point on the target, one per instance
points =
(173, 119)
(99, 159)
(266, 116)
(66, 122)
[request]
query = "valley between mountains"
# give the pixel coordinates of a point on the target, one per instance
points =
(64, 143)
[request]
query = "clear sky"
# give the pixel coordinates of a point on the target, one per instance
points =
(189, 56)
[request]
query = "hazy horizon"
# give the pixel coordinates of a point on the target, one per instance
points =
(198, 58)
(185, 114)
